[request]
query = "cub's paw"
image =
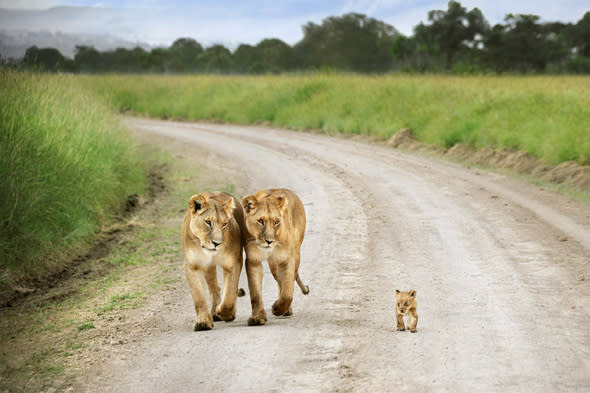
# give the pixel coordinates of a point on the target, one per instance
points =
(413, 330)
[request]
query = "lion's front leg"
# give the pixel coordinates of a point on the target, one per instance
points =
(285, 279)
(214, 293)
(231, 276)
(194, 278)
(413, 320)
(400, 322)
(254, 273)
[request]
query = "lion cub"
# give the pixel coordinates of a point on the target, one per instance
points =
(406, 304)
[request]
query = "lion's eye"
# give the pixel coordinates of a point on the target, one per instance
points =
(208, 222)
(406, 304)
(261, 221)
(224, 225)
(277, 223)
(399, 304)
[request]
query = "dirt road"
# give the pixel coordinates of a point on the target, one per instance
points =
(501, 269)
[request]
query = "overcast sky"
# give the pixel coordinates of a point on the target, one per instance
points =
(160, 22)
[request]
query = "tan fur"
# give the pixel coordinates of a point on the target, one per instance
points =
(406, 304)
(213, 234)
(275, 220)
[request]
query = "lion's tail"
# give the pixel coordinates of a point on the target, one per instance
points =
(304, 288)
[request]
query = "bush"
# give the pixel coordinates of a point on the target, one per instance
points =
(580, 65)
(65, 169)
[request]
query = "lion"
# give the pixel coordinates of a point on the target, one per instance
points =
(275, 222)
(406, 304)
(213, 234)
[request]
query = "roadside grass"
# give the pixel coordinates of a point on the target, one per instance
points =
(546, 116)
(48, 338)
(66, 169)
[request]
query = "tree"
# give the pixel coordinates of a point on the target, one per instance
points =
(216, 58)
(351, 42)
(88, 59)
(275, 55)
(523, 44)
(124, 60)
(579, 36)
(184, 53)
(44, 59)
(157, 60)
(247, 59)
(451, 32)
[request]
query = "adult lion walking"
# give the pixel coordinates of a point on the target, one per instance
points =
(213, 234)
(275, 222)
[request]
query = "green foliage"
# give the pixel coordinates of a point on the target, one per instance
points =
(352, 42)
(452, 39)
(450, 32)
(86, 326)
(580, 65)
(65, 169)
(119, 302)
(546, 116)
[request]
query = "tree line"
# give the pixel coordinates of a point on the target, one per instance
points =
(453, 40)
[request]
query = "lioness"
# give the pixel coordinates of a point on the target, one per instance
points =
(275, 221)
(213, 234)
(406, 304)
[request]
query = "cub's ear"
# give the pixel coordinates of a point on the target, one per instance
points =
(397, 291)
(198, 203)
(282, 201)
(229, 206)
(413, 293)
(250, 204)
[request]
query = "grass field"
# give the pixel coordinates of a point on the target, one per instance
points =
(65, 169)
(544, 115)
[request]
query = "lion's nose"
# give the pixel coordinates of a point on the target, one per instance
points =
(269, 242)
(215, 244)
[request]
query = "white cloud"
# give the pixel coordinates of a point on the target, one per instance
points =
(28, 4)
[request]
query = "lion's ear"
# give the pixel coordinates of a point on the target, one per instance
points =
(282, 201)
(413, 293)
(229, 206)
(198, 203)
(397, 291)
(249, 203)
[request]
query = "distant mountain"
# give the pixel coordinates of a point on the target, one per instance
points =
(14, 44)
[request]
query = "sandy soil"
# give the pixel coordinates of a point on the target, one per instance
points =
(501, 269)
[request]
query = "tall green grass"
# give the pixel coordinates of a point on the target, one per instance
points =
(544, 115)
(65, 170)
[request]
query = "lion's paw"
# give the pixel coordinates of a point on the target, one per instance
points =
(199, 326)
(281, 308)
(256, 321)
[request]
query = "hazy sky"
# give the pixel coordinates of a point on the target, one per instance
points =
(159, 22)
